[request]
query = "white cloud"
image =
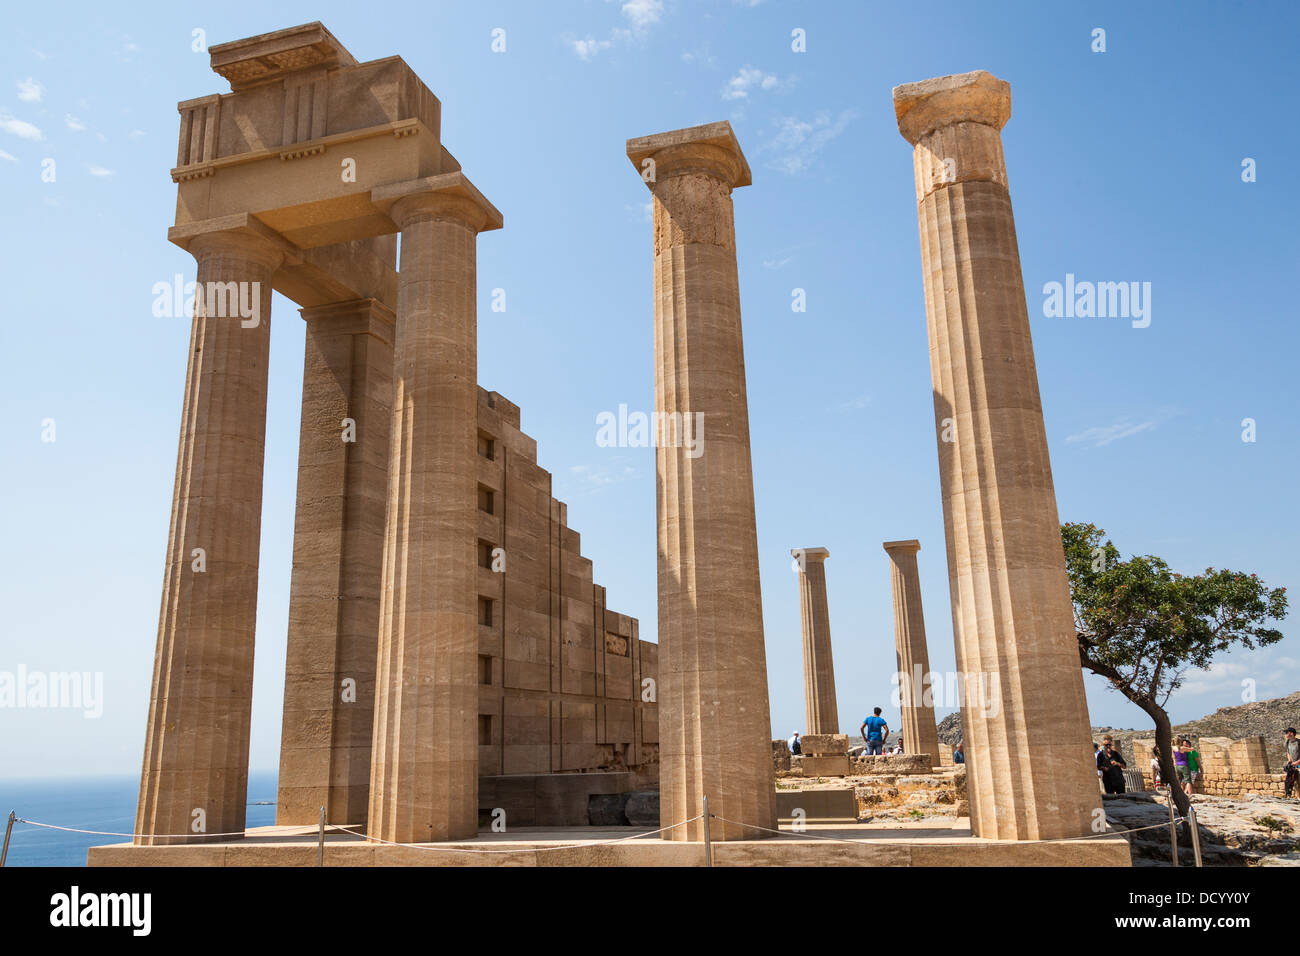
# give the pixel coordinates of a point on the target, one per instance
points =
(73, 123)
(30, 91)
(797, 142)
(9, 156)
(1105, 434)
(99, 171)
(777, 263)
(20, 128)
(643, 13)
(137, 133)
(747, 79)
(589, 47)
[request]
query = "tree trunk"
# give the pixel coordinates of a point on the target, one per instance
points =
(1164, 741)
(1164, 730)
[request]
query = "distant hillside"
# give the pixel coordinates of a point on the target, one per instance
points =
(1266, 718)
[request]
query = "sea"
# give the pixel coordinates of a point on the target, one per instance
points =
(92, 803)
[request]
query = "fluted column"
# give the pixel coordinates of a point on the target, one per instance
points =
(1026, 724)
(920, 735)
(195, 775)
(714, 729)
(822, 715)
(338, 546)
(424, 774)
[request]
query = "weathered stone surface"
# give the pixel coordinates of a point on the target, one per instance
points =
(892, 763)
(831, 766)
(642, 808)
(819, 806)
(451, 691)
(820, 709)
(607, 809)
(824, 744)
(1026, 741)
(913, 656)
(200, 705)
(713, 667)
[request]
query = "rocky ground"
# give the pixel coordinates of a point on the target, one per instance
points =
(1267, 718)
(1234, 831)
(882, 798)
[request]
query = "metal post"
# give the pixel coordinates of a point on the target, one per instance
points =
(9, 828)
(320, 846)
(708, 846)
(1173, 829)
(1196, 836)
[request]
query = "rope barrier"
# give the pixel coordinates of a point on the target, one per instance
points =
(539, 849)
(349, 830)
(308, 829)
(861, 841)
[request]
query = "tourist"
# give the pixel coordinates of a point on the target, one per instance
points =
(794, 744)
(1113, 777)
(1155, 767)
(874, 731)
(1097, 757)
(1180, 765)
(898, 746)
(1193, 764)
(957, 755)
(1292, 762)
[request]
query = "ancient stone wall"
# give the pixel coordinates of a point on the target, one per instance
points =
(564, 680)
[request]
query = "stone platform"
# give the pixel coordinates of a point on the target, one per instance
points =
(898, 845)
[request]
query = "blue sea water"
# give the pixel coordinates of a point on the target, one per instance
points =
(92, 803)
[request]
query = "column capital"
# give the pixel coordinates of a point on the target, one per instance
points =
(711, 149)
(910, 546)
(978, 97)
(810, 554)
(449, 196)
(240, 234)
(356, 316)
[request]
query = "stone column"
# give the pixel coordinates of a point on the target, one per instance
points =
(424, 773)
(715, 733)
(338, 546)
(1027, 735)
(820, 711)
(920, 735)
(195, 776)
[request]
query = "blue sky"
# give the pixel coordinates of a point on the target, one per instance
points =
(1124, 165)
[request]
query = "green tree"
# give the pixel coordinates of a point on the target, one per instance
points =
(1142, 626)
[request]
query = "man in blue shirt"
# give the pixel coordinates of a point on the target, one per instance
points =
(874, 731)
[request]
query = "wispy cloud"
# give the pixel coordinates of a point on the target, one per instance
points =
(747, 80)
(778, 263)
(9, 156)
(30, 91)
(588, 47)
(640, 16)
(796, 142)
(1100, 435)
(643, 13)
(99, 171)
(598, 476)
(853, 404)
(73, 123)
(20, 128)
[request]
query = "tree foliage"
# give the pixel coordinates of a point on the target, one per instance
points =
(1143, 627)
